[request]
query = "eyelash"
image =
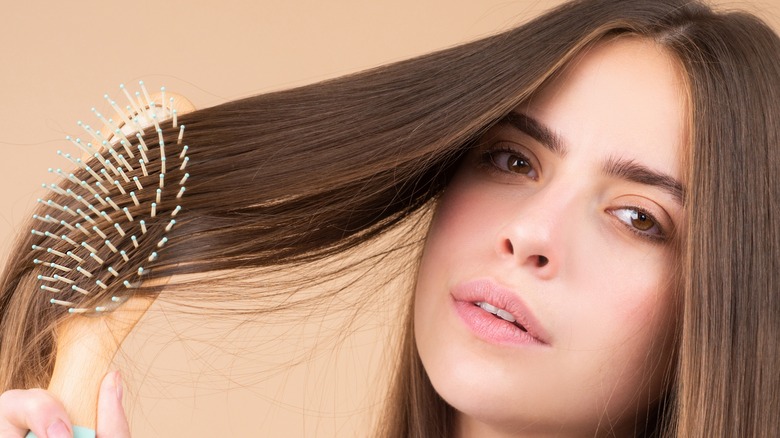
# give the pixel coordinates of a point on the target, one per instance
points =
(490, 163)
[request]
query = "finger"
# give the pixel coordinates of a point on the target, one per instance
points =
(35, 410)
(112, 421)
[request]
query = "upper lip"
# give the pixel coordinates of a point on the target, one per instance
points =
(490, 291)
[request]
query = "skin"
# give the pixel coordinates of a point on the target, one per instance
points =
(558, 232)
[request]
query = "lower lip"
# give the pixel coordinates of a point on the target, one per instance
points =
(490, 328)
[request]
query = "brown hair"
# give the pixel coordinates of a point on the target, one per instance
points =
(293, 177)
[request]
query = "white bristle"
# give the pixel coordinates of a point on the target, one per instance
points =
(117, 109)
(119, 228)
(63, 279)
(60, 267)
(153, 257)
(124, 175)
(124, 256)
(181, 135)
(107, 217)
(83, 230)
(137, 183)
(130, 99)
(162, 242)
(84, 272)
(88, 187)
(135, 200)
(184, 163)
(45, 278)
(154, 209)
(163, 161)
(181, 192)
(127, 213)
(142, 148)
(55, 252)
(78, 289)
(170, 225)
(96, 258)
(87, 246)
(162, 180)
(119, 186)
(111, 246)
(159, 194)
(102, 188)
(176, 211)
(102, 201)
(69, 240)
(143, 167)
(184, 149)
(135, 241)
(75, 257)
(38, 233)
(126, 146)
(184, 179)
(112, 168)
(100, 233)
(95, 210)
(175, 115)
(113, 204)
(61, 303)
(50, 289)
(143, 227)
(113, 271)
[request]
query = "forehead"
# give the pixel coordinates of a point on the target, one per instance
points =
(623, 98)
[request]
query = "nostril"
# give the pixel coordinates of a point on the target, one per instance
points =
(542, 261)
(508, 247)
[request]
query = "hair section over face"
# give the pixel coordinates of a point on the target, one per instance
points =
(294, 178)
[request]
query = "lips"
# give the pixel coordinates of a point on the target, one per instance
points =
(496, 314)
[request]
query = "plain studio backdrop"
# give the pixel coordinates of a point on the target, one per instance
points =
(275, 377)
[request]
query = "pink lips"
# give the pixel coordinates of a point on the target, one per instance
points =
(489, 327)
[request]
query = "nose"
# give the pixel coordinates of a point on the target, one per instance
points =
(533, 237)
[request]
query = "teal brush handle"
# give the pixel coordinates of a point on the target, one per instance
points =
(78, 432)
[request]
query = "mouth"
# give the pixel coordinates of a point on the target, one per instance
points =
(497, 313)
(500, 313)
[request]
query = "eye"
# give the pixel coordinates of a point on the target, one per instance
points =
(510, 161)
(640, 222)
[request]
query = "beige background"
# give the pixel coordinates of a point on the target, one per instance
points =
(59, 58)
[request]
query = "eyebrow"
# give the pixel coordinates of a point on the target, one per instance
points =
(628, 170)
(536, 130)
(632, 171)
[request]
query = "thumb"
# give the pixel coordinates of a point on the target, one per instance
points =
(111, 418)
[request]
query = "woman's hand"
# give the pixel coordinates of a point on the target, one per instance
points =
(40, 412)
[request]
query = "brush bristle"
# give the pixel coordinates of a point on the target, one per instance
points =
(106, 221)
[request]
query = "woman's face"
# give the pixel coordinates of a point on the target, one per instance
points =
(563, 219)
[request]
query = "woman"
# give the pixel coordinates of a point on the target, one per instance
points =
(601, 261)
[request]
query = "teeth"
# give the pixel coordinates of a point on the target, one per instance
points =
(501, 313)
(488, 307)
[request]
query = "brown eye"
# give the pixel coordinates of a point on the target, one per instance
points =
(518, 164)
(639, 222)
(510, 162)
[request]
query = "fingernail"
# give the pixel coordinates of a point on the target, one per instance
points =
(118, 384)
(58, 429)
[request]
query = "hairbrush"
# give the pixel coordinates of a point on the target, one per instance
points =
(110, 216)
(99, 232)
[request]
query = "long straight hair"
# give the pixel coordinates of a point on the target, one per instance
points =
(294, 177)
